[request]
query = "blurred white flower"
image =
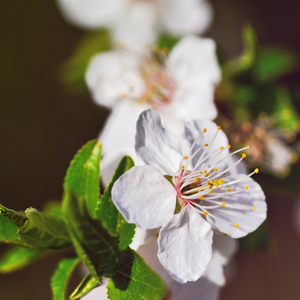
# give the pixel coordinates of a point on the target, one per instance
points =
(179, 85)
(205, 288)
(198, 187)
(136, 23)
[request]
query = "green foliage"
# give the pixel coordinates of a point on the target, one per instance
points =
(96, 248)
(285, 111)
(53, 207)
(85, 286)
(273, 63)
(15, 217)
(247, 59)
(108, 213)
(73, 71)
(9, 232)
(244, 94)
(44, 231)
(61, 277)
(167, 41)
(83, 174)
(16, 258)
(134, 279)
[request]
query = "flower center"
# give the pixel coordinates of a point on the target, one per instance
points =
(159, 86)
(200, 184)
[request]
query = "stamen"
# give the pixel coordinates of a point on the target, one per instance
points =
(246, 187)
(219, 127)
(205, 213)
(254, 207)
(236, 224)
(223, 204)
(204, 130)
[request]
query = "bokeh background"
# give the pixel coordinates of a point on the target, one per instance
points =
(42, 126)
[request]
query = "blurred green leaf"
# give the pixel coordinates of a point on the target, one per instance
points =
(96, 248)
(44, 231)
(247, 59)
(53, 207)
(241, 113)
(83, 175)
(109, 214)
(285, 111)
(85, 286)
(73, 70)
(134, 279)
(244, 94)
(61, 277)
(16, 258)
(167, 41)
(273, 63)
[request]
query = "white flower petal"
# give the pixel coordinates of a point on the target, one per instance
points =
(184, 245)
(202, 289)
(195, 131)
(136, 29)
(181, 17)
(193, 61)
(149, 253)
(194, 103)
(92, 13)
(247, 209)
(144, 197)
(156, 146)
(113, 74)
(224, 247)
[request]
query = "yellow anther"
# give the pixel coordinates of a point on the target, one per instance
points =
(236, 224)
(205, 171)
(157, 234)
(216, 181)
(165, 50)
(248, 146)
(205, 213)
(229, 146)
(219, 127)
(223, 204)
(256, 170)
(124, 96)
(244, 155)
(217, 187)
(254, 207)
(246, 187)
(200, 172)
(221, 148)
(197, 179)
(211, 191)
(206, 174)
(225, 234)
(215, 169)
(185, 157)
(204, 130)
(229, 190)
(221, 181)
(201, 197)
(205, 145)
(182, 167)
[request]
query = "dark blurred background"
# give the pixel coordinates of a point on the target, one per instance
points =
(42, 126)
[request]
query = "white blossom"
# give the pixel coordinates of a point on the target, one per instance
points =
(198, 186)
(136, 23)
(180, 86)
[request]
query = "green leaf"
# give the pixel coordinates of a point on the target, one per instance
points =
(53, 207)
(247, 59)
(109, 214)
(86, 285)
(83, 174)
(285, 111)
(61, 277)
(167, 41)
(16, 258)
(134, 279)
(9, 232)
(73, 70)
(44, 231)
(273, 63)
(93, 244)
(15, 217)
(244, 94)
